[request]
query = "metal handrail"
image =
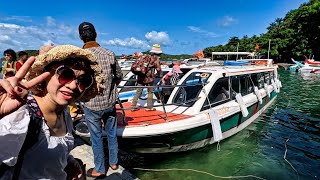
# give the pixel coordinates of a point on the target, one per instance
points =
(163, 86)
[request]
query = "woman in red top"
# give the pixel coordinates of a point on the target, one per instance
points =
(23, 56)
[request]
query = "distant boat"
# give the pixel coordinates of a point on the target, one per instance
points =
(296, 67)
(311, 66)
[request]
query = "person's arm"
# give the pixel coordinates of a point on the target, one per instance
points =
(163, 80)
(158, 67)
(13, 91)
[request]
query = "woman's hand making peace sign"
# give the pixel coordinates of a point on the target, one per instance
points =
(13, 92)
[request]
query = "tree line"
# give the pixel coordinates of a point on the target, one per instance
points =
(294, 36)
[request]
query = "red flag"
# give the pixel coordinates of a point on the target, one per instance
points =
(257, 47)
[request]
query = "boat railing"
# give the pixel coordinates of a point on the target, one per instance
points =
(161, 98)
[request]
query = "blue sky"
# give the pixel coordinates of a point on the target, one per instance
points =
(180, 26)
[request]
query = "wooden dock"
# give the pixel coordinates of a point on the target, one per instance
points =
(84, 152)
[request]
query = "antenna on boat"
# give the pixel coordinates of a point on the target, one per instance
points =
(237, 51)
(269, 48)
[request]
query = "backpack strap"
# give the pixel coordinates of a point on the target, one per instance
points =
(32, 136)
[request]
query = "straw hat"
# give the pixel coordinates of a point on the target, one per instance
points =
(62, 52)
(156, 49)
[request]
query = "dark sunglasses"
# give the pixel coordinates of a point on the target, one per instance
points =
(66, 75)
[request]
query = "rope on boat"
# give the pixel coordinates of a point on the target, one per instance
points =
(218, 146)
(198, 171)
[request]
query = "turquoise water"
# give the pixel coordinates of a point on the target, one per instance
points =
(259, 149)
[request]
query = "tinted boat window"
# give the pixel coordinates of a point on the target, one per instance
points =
(271, 75)
(188, 95)
(245, 85)
(130, 82)
(254, 78)
(235, 86)
(260, 80)
(267, 78)
(220, 93)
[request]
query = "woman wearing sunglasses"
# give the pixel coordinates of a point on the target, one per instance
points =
(63, 75)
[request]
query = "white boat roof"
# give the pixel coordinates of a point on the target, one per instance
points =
(230, 53)
(235, 69)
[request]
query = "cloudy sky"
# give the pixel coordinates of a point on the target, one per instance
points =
(180, 26)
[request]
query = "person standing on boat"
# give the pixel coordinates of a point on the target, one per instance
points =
(102, 106)
(8, 68)
(146, 76)
(171, 78)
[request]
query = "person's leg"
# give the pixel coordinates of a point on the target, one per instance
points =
(136, 97)
(150, 98)
(93, 119)
(110, 127)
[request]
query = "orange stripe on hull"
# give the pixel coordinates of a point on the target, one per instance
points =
(142, 117)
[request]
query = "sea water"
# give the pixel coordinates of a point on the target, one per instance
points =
(291, 125)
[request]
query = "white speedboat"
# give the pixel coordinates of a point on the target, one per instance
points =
(208, 105)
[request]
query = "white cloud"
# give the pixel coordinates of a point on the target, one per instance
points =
(202, 31)
(16, 18)
(227, 21)
(158, 37)
(19, 37)
(51, 21)
(128, 42)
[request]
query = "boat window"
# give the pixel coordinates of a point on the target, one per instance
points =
(220, 93)
(260, 80)
(267, 78)
(130, 82)
(271, 75)
(235, 86)
(254, 79)
(188, 95)
(245, 85)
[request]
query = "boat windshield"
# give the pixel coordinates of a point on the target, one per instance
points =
(189, 94)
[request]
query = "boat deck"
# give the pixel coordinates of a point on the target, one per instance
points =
(142, 117)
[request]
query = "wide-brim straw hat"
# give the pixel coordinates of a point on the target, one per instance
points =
(62, 52)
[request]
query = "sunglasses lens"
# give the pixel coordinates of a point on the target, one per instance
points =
(84, 81)
(66, 75)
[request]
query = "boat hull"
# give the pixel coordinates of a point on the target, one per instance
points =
(195, 137)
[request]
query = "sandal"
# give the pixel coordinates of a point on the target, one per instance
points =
(89, 174)
(152, 109)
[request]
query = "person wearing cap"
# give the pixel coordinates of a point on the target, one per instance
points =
(36, 129)
(171, 78)
(151, 64)
(102, 106)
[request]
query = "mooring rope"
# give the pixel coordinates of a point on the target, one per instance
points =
(285, 145)
(198, 171)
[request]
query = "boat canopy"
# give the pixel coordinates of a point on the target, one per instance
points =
(231, 53)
